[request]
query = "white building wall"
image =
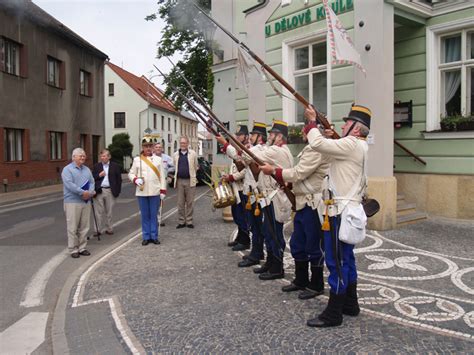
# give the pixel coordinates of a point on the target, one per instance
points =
(137, 117)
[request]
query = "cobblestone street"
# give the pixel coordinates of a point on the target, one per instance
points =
(187, 295)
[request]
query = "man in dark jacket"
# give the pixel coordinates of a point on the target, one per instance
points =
(108, 184)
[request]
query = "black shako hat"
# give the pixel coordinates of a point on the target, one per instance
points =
(259, 128)
(280, 127)
(360, 114)
(243, 129)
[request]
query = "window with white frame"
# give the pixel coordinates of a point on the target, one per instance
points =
(310, 75)
(450, 72)
(13, 144)
(456, 70)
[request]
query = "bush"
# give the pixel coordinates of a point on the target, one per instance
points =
(120, 148)
(457, 123)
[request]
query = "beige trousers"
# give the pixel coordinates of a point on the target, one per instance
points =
(185, 201)
(103, 203)
(77, 223)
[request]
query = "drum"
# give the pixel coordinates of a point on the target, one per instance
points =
(223, 196)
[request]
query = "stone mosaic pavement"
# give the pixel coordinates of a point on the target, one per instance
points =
(188, 296)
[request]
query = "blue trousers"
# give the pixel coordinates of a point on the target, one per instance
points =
(345, 258)
(149, 207)
(306, 242)
(239, 214)
(256, 226)
(270, 227)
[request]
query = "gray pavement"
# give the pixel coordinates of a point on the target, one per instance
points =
(188, 296)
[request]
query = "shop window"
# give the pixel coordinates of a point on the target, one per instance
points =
(310, 75)
(119, 119)
(55, 145)
(14, 144)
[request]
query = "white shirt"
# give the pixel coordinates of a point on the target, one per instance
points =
(105, 182)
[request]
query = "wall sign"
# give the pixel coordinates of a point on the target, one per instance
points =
(306, 17)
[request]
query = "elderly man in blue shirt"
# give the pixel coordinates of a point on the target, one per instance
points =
(78, 191)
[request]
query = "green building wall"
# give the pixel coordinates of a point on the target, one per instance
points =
(443, 156)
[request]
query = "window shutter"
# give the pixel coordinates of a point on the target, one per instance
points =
(24, 61)
(62, 75)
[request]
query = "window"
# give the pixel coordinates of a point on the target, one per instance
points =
(450, 72)
(309, 71)
(119, 119)
(55, 145)
(85, 82)
(456, 71)
(83, 141)
(155, 123)
(10, 56)
(111, 89)
(55, 72)
(175, 126)
(181, 128)
(175, 146)
(162, 123)
(13, 144)
(169, 124)
(95, 149)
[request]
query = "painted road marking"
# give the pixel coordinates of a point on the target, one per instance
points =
(120, 323)
(24, 336)
(34, 291)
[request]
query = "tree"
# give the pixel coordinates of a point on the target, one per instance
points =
(185, 33)
(120, 148)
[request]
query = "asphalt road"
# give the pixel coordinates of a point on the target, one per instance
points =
(33, 252)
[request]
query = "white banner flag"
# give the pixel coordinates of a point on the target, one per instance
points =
(342, 48)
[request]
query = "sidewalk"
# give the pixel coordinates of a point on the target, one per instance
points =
(188, 295)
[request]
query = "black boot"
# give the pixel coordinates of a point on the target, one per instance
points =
(266, 266)
(247, 262)
(301, 277)
(316, 285)
(351, 305)
(332, 315)
(275, 271)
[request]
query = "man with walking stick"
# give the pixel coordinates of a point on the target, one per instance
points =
(78, 190)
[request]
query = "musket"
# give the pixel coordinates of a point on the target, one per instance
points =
(199, 114)
(289, 194)
(319, 115)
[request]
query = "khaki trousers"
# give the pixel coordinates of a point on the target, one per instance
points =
(185, 201)
(77, 223)
(103, 203)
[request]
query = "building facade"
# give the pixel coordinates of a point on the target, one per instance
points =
(206, 143)
(134, 105)
(51, 101)
(418, 56)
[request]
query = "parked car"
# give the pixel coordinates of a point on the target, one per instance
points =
(202, 174)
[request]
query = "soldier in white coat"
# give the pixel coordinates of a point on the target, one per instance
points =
(306, 243)
(148, 175)
(344, 219)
